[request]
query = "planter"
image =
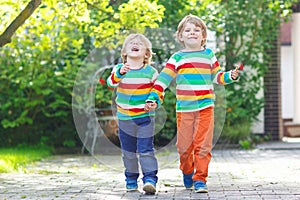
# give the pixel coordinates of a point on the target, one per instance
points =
(109, 124)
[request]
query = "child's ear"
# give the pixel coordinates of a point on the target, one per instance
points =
(180, 38)
(148, 53)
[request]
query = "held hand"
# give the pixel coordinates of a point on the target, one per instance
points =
(124, 69)
(149, 106)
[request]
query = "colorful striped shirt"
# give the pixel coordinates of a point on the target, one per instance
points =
(195, 74)
(132, 90)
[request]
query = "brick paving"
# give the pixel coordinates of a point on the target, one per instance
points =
(262, 173)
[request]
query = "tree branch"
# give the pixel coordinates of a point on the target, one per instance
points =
(5, 37)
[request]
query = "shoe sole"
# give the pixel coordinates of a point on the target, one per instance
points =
(132, 190)
(149, 189)
(201, 191)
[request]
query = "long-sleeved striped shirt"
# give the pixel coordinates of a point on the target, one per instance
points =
(195, 74)
(132, 90)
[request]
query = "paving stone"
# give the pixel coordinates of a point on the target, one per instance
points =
(262, 173)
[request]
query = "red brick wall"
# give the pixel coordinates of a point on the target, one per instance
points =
(273, 122)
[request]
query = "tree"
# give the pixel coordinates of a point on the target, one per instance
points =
(5, 37)
(39, 66)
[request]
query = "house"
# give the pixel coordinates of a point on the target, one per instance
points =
(281, 114)
(290, 74)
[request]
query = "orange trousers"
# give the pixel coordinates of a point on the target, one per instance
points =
(194, 141)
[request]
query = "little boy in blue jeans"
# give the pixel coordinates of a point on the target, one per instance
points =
(134, 79)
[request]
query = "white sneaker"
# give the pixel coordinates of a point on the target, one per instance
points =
(149, 188)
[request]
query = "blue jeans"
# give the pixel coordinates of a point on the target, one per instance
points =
(136, 137)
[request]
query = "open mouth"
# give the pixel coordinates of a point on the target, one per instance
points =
(135, 49)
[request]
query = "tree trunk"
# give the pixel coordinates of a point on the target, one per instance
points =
(5, 37)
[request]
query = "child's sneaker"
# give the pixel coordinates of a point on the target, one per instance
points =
(200, 187)
(188, 181)
(149, 187)
(131, 185)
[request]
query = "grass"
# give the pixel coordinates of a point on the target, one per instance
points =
(16, 159)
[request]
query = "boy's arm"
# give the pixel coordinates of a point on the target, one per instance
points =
(155, 98)
(164, 79)
(221, 77)
(115, 77)
(225, 78)
(152, 101)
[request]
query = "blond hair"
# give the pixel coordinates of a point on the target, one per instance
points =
(193, 19)
(146, 42)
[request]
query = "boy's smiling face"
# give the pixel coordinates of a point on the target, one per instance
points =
(135, 48)
(191, 36)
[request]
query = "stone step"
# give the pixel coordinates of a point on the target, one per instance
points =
(291, 129)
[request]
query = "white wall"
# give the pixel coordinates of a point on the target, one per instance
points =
(258, 127)
(287, 80)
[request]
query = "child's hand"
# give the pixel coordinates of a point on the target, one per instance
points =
(235, 73)
(149, 106)
(124, 69)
